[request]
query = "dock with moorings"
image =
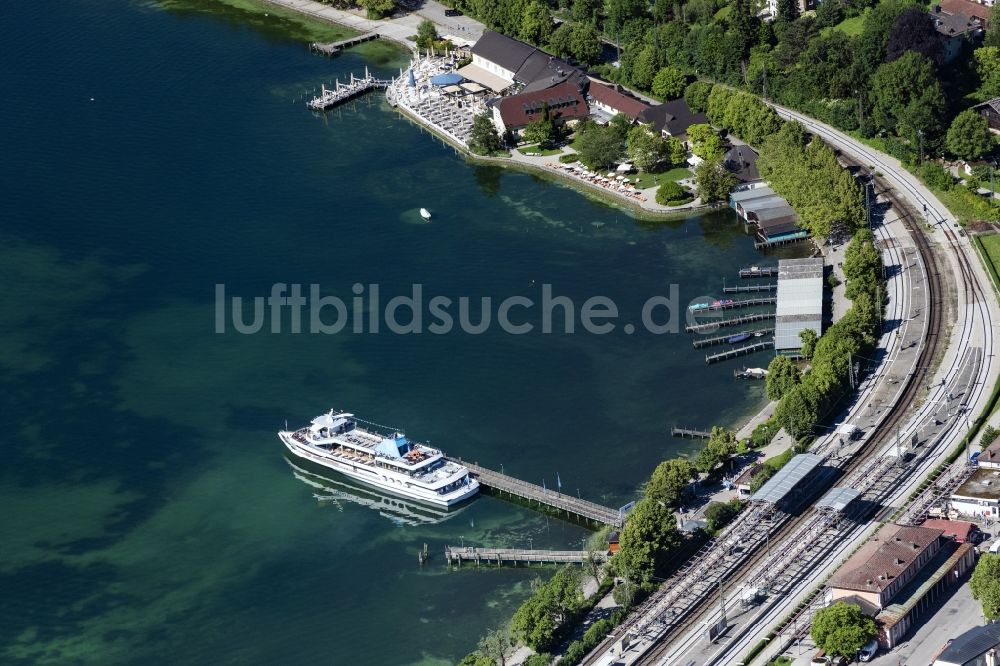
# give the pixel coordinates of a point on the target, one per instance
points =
(724, 339)
(739, 351)
(689, 432)
(333, 48)
(515, 556)
(771, 286)
(572, 507)
(758, 272)
(735, 321)
(341, 92)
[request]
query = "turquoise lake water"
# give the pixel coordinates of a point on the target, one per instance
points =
(147, 512)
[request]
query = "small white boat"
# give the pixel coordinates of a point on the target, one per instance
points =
(424, 213)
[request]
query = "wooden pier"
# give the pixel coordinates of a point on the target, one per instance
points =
(689, 432)
(515, 556)
(741, 303)
(739, 351)
(573, 507)
(735, 321)
(771, 286)
(758, 272)
(341, 92)
(333, 48)
(724, 339)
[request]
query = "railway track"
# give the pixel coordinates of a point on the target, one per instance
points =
(682, 622)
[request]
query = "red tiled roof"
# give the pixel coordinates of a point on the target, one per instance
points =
(966, 7)
(564, 100)
(880, 561)
(959, 530)
(618, 101)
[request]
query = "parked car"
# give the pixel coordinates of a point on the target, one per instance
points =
(452, 12)
(868, 651)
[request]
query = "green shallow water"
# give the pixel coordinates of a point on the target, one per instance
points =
(147, 513)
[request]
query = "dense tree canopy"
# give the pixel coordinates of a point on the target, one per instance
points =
(782, 375)
(483, 137)
(599, 147)
(669, 480)
(646, 149)
(842, 630)
(912, 31)
(907, 97)
(714, 181)
(647, 541)
(669, 83)
(985, 585)
(987, 63)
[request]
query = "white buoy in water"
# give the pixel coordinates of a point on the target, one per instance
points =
(424, 213)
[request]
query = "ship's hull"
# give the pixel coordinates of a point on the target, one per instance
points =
(377, 479)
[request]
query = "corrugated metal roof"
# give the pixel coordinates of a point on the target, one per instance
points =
(971, 644)
(789, 476)
(799, 301)
(838, 499)
(752, 193)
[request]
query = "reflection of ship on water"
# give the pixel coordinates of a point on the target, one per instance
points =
(396, 509)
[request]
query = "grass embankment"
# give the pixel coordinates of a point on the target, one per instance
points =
(646, 179)
(850, 27)
(533, 149)
(989, 250)
(272, 20)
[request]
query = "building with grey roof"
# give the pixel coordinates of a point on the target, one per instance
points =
(976, 647)
(799, 301)
(787, 480)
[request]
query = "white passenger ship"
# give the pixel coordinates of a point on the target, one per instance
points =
(394, 464)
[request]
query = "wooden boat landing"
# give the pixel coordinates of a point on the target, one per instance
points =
(735, 321)
(770, 286)
(758, 272)
(515, 556)
(689, 432)
(739, 351)
(572, 507)
(333, 48)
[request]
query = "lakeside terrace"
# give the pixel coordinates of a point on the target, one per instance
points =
(447, 109)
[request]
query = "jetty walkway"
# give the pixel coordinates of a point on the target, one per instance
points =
(758, 272)
(735, 321)
(341, 92)
(739, 351)
(724, 339)
(689, 432)
(573, 507)
(333, 48)
(499, 556)
(770, 286)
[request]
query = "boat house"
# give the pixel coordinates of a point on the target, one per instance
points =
(799, 301)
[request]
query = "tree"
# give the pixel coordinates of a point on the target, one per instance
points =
(721, 445)
(483, 137)
(496, 644)
(647, 541)
(797, 412)
(599, 147)
(907, 97)
(476, 658)
(842, 630)
(696, 95)
(714, 181)
(377, 9)
(782, 375)
(426, 34)
(669, 83)
(720, 514)
(646, 149)
(670, 193)
(669, 480)
(788, 10)
(541, 131)
(912, 31)
(534, 622)
(862, 264)
(617, 12)
(620, 125)
(536, 23)
(808, 338)
(969, 136)
(561, 40)
(987, 61)
(993, 27)
(985, 585)
(585, 43)
(585, 11)
(705, 142)
(829, 13)
(676, 152)
(644, 70)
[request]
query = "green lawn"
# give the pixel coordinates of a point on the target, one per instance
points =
(644, 179)
(851, 26)
(991, 247)
(533, 148)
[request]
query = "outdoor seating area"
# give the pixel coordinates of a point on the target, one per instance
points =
(440, 97)
(614, 182)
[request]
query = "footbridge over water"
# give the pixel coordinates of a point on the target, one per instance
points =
(572, 507)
